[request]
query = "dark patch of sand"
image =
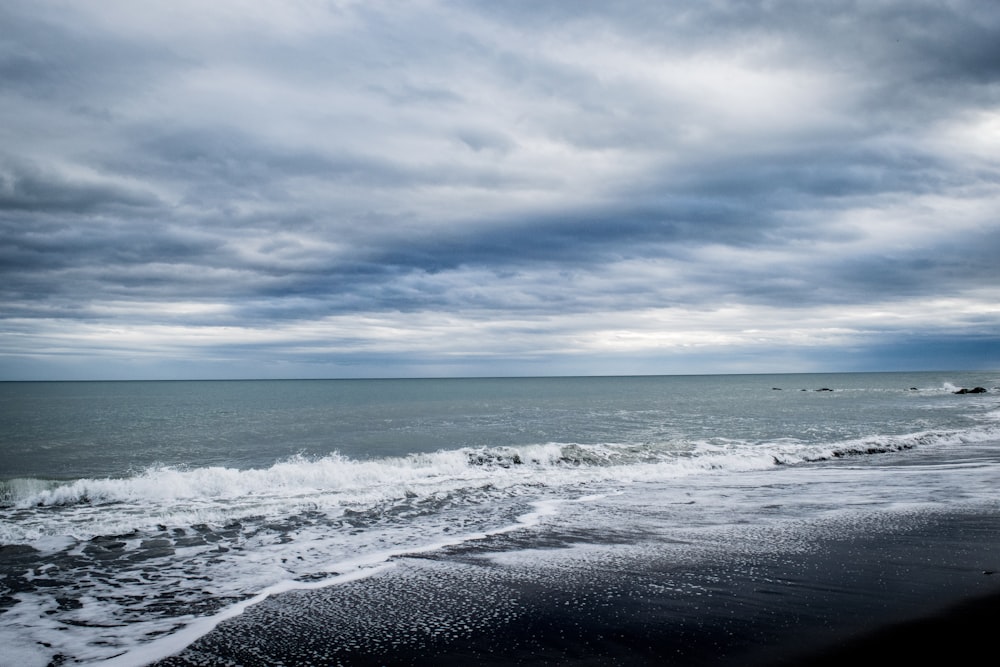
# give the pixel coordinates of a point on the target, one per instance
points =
(840, 599)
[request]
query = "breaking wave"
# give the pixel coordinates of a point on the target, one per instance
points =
(335, 484)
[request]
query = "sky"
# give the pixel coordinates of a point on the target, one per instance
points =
(296, 188)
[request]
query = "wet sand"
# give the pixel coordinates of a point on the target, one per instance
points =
(924, 582)
(967, 628)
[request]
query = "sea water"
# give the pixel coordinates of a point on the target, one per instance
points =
(136, 516)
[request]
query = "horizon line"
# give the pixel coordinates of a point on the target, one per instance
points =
(498, 377)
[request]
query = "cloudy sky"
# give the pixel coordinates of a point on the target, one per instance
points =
(343, 189)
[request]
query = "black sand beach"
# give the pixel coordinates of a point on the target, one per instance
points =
(911, 588)
(965, 629)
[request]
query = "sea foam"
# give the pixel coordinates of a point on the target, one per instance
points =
(167, 496)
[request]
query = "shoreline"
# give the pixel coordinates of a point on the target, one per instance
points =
(901, 588)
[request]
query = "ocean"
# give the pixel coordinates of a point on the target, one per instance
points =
(527, 519)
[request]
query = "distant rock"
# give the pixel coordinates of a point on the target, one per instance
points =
(975, 390)
(825, 389)
(775, 388)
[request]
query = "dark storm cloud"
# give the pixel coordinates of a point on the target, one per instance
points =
(28, 188)
(277, 168)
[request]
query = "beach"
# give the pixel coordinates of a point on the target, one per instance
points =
(726, 520)
(458, 333)
(924, 584)
(967, 626)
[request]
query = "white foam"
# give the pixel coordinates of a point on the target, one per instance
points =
(338, 521)
(331, 485)
(174, 643)
(356, 568)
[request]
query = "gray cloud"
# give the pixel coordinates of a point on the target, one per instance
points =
(312, 186)
(29, 188)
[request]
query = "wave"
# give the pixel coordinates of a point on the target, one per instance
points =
(12, 491)
(347, 481)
